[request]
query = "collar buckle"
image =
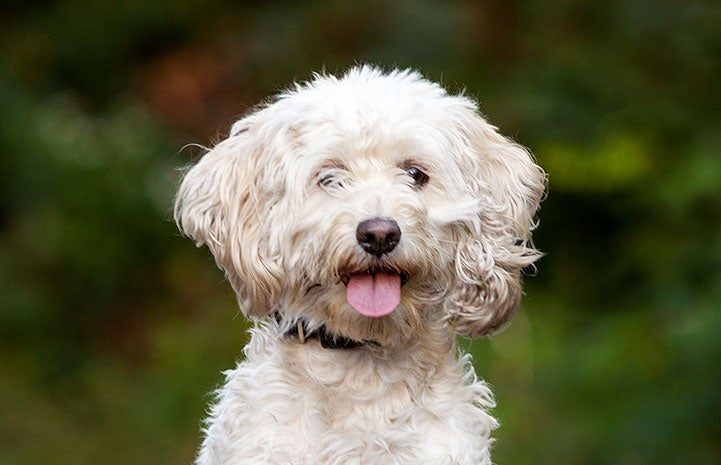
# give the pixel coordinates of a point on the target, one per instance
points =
(327, 339)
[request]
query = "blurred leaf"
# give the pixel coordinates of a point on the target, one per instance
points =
(619, 163)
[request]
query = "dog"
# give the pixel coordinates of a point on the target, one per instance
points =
(363, 222)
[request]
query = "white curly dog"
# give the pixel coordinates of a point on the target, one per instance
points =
(363, 222)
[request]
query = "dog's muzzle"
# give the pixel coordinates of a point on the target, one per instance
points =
(376, 293)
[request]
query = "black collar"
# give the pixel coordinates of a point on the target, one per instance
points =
(327, 339)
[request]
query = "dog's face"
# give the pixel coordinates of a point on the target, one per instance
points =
(371, 203)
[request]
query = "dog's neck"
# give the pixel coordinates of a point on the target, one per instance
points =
(328, 340)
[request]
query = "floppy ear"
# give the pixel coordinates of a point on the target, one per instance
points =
(224, 202)
(494, 247)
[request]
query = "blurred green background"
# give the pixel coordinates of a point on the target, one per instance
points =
(114, 329)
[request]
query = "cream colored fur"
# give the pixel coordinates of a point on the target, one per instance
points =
(278, 203)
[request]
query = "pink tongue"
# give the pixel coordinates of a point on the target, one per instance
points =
(374, 295)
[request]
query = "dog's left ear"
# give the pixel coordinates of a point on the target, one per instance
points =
(494, 247)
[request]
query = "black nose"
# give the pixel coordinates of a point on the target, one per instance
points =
(378, 236)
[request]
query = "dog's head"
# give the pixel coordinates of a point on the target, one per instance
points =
(368, 202)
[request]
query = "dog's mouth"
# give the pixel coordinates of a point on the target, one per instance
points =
(374, 293)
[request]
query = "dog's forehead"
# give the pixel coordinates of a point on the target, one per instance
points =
(373, 150)
(369, 123)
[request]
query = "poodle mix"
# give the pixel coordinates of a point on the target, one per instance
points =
(363, 221)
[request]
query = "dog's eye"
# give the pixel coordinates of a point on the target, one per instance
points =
(330, 182)
(332, 177)
(327, 181)
(419, 177)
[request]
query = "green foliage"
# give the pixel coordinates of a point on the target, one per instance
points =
(112, 326)
(618, 163)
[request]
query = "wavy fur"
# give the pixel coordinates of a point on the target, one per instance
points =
(278, 203)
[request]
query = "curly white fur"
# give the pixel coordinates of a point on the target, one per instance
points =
(278, 203)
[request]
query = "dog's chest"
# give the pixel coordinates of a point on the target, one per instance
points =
(310, 409)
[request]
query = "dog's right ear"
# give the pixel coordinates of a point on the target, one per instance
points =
(224, 202)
